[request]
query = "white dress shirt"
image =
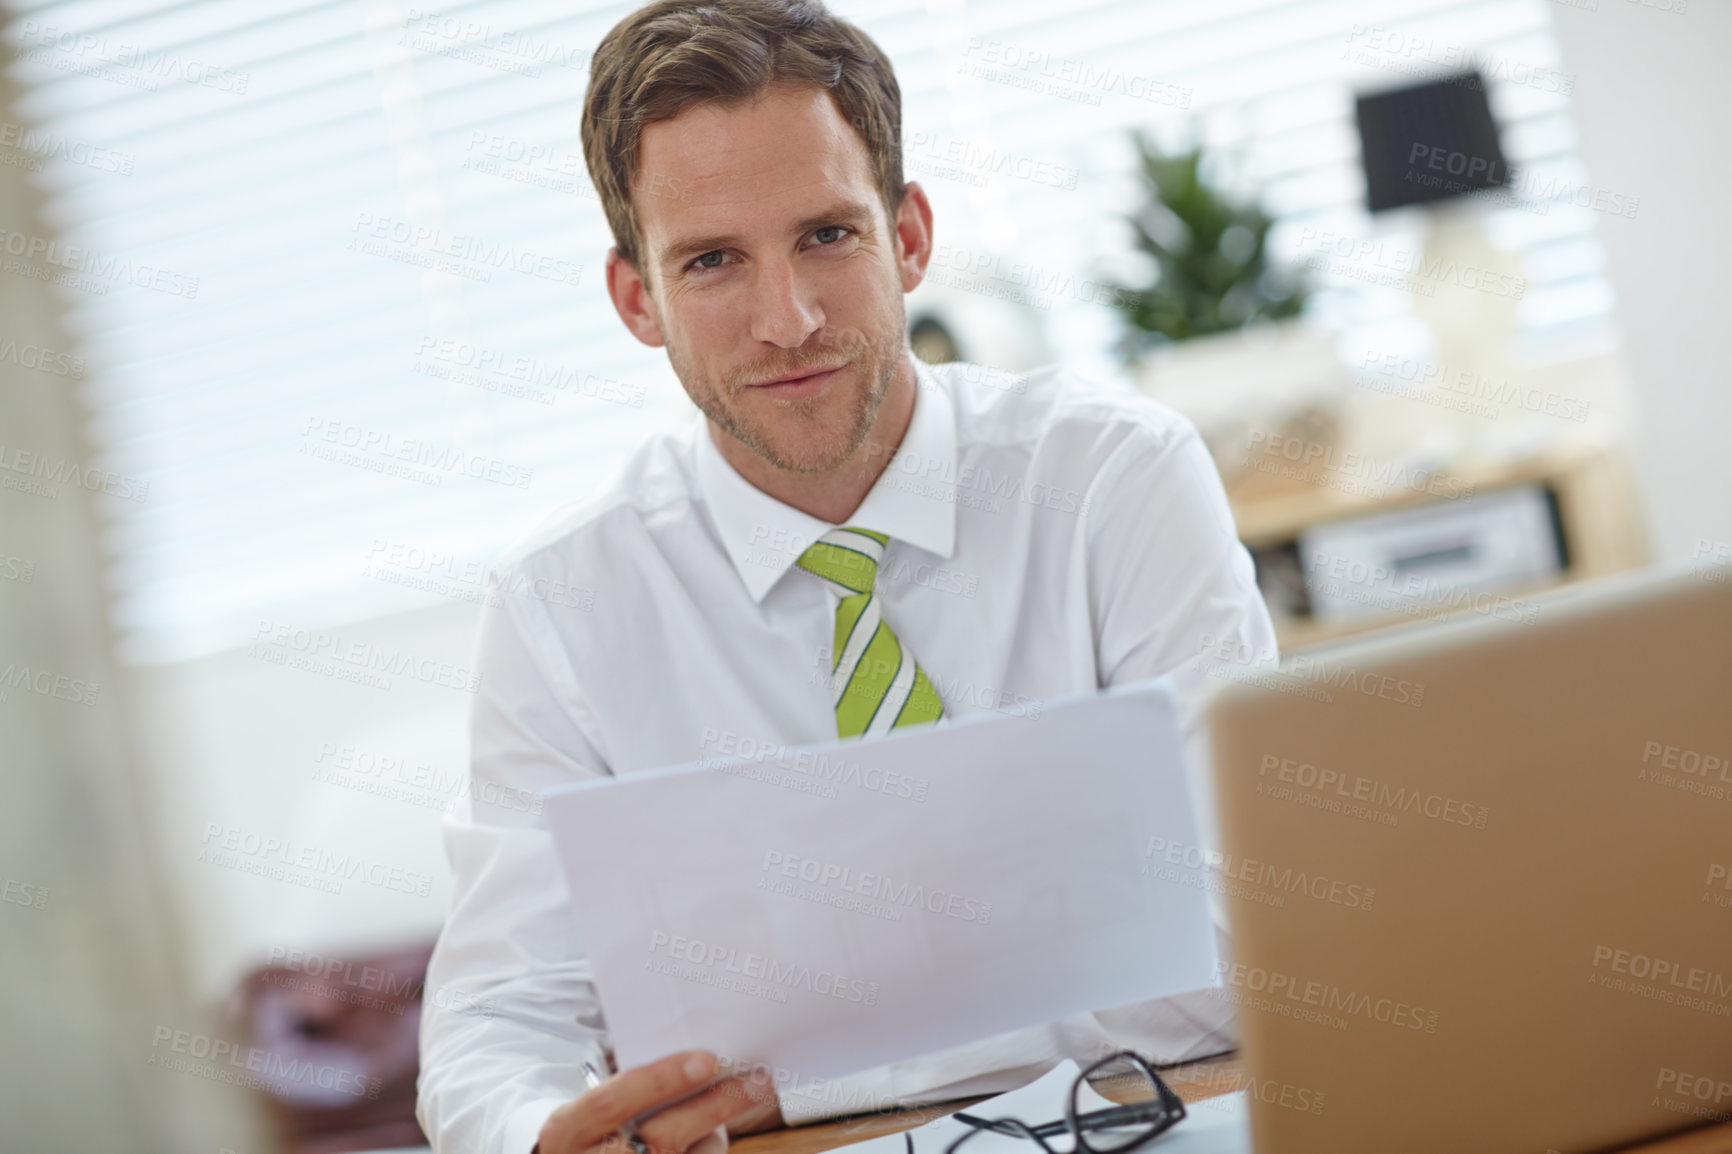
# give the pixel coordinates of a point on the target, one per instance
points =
(1047, 537)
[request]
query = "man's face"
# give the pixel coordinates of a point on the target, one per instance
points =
(774, 276)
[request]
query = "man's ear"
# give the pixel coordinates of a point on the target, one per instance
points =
(913, 236)
(632, 300)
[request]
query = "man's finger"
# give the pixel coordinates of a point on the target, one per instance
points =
(674, 1129)
(759, 1118)
(594, 1117)
(715, 1142)
(641, 1089)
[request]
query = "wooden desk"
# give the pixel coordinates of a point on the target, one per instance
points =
(1193, 1082)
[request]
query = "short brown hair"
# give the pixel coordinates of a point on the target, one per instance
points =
(672, 54)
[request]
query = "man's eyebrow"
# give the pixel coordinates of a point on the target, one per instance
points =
(849, 213)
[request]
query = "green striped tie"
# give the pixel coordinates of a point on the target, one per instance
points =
(877, 683)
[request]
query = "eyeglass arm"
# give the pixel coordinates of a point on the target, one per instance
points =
(1110, 1116)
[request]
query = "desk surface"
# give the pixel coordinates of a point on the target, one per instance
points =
(1193, 1082)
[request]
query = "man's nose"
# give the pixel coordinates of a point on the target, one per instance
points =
(783, 309)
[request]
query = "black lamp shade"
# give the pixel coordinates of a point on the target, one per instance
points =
(1431, 141)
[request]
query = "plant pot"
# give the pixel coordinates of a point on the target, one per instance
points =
(1242, 387)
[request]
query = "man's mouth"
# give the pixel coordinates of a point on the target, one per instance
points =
(802, 384)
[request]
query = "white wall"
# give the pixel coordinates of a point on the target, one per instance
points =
(1653, 91)
(273, 785)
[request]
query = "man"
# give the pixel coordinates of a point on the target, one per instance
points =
(1013, 538)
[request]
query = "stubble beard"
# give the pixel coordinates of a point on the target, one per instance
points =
(875, 360)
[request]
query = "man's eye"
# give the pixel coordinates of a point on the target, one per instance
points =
(706, 260)
(822, 235)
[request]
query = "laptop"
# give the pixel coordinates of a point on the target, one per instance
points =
(1479, 878)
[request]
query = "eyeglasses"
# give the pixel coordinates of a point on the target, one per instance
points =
(1153, 1110)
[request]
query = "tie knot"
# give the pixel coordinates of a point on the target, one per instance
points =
(846, 557)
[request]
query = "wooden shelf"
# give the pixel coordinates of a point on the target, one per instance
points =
(1597, 509)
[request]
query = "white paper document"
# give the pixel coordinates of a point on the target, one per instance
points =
(1042, 1100)
(831, 909)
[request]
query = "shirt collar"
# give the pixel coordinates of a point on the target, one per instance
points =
(913, 500)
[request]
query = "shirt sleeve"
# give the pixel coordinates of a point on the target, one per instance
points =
(509, 1010)
(1172, 592)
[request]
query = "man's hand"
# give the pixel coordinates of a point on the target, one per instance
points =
(699, 1124)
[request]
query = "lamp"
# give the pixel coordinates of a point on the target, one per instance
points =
(1435, 145)
(1429, 142)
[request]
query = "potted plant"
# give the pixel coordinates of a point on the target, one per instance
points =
(1214, 334)
(1212, 273)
